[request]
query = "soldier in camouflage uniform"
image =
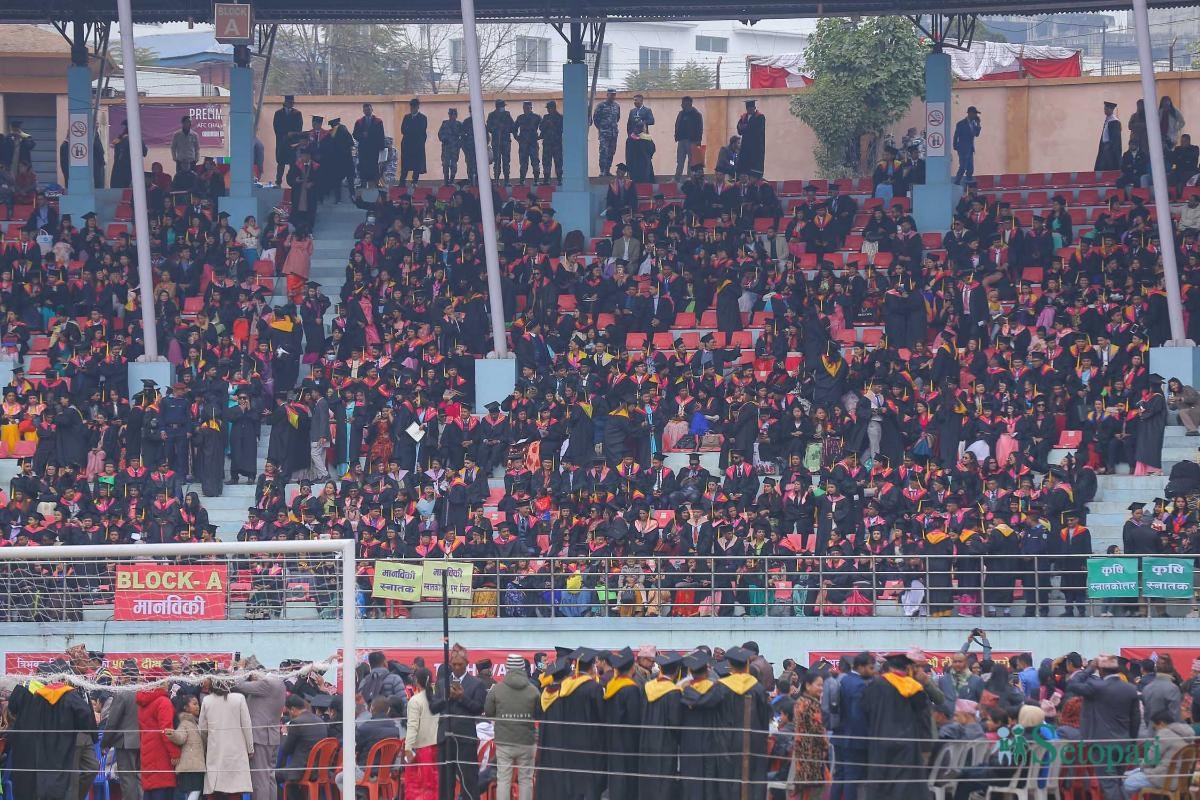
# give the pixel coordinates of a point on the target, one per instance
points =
(500, 127)
(551, 131)
(527, 142)
(607, 119)
(450, 134)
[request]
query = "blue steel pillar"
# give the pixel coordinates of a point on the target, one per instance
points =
(81, 194)
(241, 202)
(933, 203)
(573, 200)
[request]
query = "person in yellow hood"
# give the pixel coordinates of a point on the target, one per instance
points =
(897, 713)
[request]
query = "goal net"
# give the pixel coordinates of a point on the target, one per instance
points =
(88, 623)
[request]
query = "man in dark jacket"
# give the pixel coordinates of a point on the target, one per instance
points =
(457, 739)
(304, 730)
(965, 133)
(1111, 712)
(287, 123)
(689, 131)
(121, 732)
(380, 681)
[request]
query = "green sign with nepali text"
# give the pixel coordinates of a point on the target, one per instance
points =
(1168, 577)
(1112, 577)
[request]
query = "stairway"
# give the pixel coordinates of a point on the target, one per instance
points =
(1114, 493)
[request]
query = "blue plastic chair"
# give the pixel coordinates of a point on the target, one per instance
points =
(100, 786)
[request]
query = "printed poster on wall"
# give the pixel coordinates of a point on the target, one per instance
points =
(160, 123)
(173, 592)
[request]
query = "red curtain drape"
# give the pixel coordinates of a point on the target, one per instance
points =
(764, 77)
(1052, 67)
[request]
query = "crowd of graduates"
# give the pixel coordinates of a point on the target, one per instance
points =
(932, 442)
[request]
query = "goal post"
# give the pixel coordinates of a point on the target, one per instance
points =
(335, 547)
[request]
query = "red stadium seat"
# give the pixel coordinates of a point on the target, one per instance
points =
(1069, 440)
(635, 340)
(663, 340)
(685, 319)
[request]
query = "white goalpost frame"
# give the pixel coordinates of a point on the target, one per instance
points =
(344, 547)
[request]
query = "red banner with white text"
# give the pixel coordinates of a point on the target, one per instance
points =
(172, 592)
(150, 665)
(1181, 657)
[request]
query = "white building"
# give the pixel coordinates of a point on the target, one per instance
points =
(538, 52)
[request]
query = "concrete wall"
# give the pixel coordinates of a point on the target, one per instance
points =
(781, 638)
(1028, 126)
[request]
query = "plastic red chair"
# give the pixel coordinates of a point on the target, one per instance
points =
(317, 780)
(378, 779)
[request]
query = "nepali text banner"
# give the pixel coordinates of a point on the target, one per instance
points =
(150, 665)
(1168, 577)
(1112, 577)
(170, 592)
(396, 580)
(458, 580)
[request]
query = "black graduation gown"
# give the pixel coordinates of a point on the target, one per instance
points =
(624, 707)
(554, 767)
(1148, 431)
(896, 728)
(41, 754)
(749, 715)
(243, 441)
(210, 457)
(661, 718)
(704, 743)
(939, 559)
(729, 313)
(581, 739)
(70, 438)
(288, 446)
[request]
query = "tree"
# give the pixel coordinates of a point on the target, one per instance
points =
(866, 72)
(442, 46)
(692, 76)
(364, 59)
(142, 56)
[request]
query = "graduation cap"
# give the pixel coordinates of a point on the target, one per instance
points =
(898, 660)
(559, 669)
(669, 662)
(583, 655)
(318, 121)
(333, 123)
(738, 656)
(621, 659)
(697, 661)
(721, 669)
(492, 406)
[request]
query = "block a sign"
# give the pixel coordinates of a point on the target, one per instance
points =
(233, 23)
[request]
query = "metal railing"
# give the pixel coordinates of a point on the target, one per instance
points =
(309, 586)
